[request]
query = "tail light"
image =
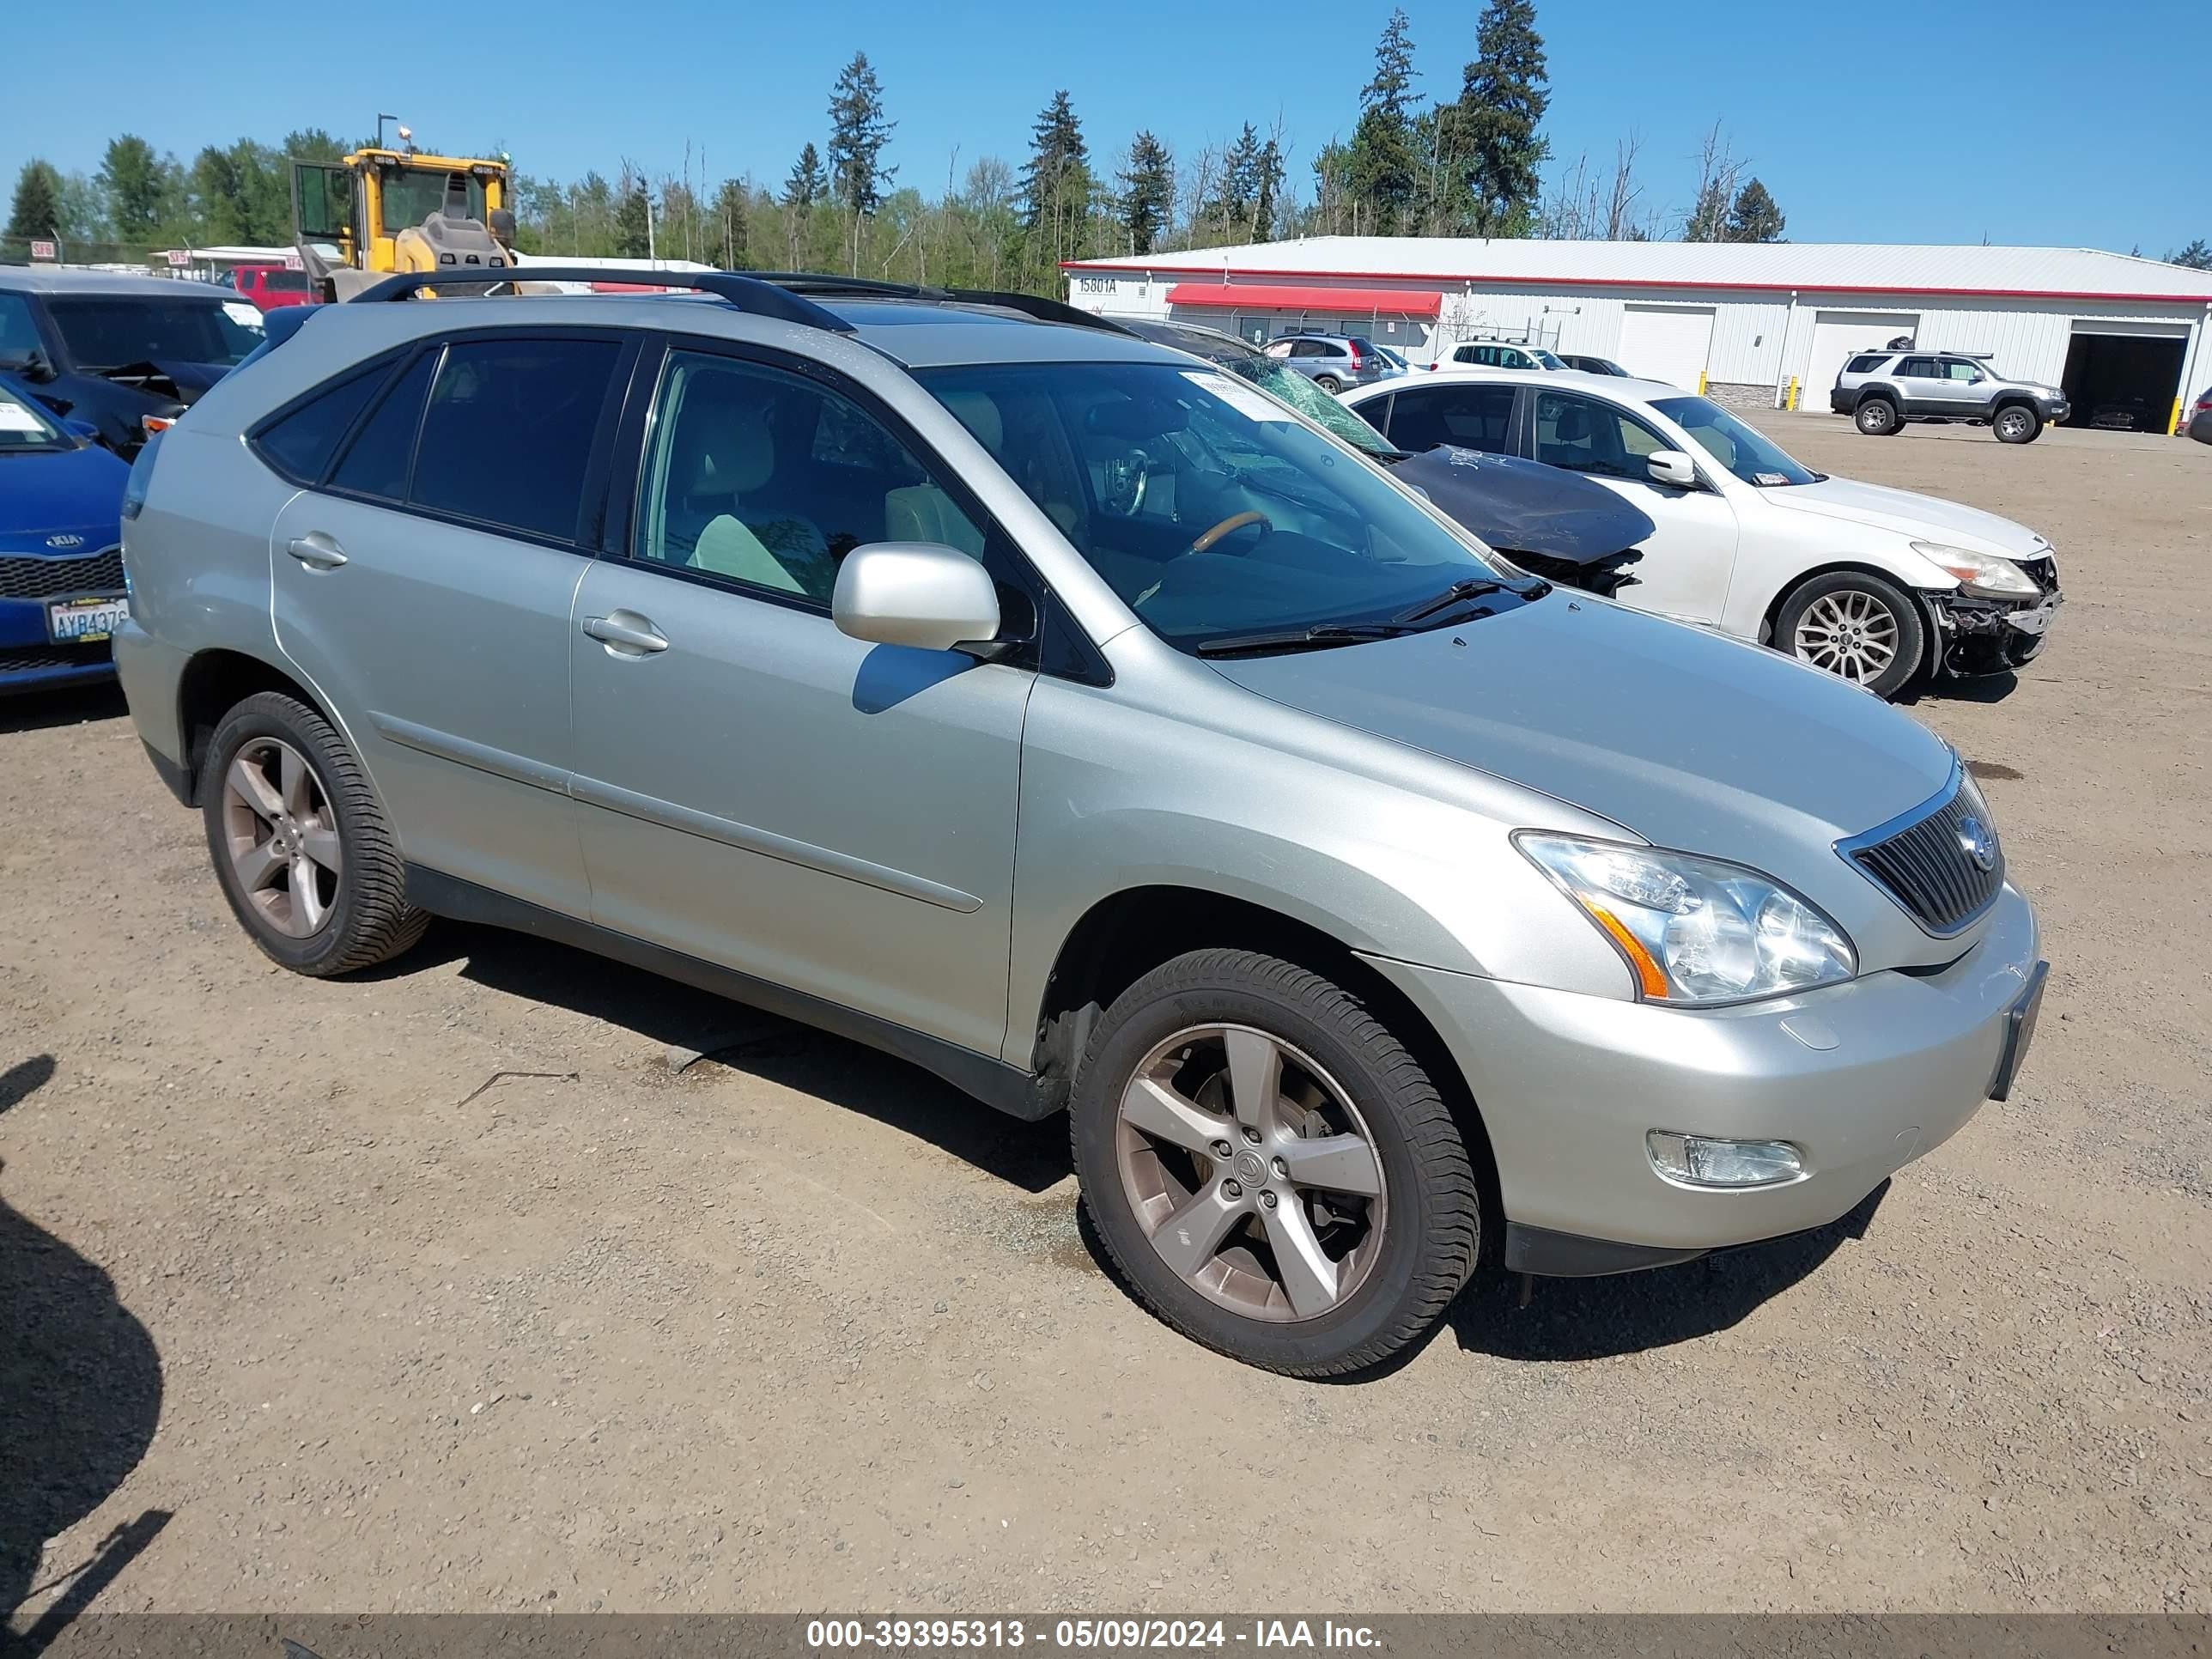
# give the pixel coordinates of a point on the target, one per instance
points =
(1355, 358)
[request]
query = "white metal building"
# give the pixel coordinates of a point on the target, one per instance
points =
(2126, 337)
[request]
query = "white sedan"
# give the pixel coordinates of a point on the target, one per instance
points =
(1875, 584)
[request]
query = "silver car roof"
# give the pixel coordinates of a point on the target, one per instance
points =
(50, 279)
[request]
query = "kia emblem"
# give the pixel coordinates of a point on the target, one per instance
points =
(64, 542)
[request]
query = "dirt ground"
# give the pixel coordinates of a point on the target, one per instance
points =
(297, 1313)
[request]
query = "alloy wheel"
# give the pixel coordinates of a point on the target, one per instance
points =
(282, 837)
(2013, 423)
(1849, 632)
(1252, 1173)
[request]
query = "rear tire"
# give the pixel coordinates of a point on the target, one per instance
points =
(2016, 423)
(1878, 418)
(1271, 1170)
(1855, 626)
(300, 842)
(1329, 383)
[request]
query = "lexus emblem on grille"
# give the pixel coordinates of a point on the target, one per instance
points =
(60, 542)
(1977, 843)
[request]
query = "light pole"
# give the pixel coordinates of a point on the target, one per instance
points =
(381, 117)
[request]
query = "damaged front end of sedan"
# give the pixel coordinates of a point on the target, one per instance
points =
(1551, 523)
(1979, 633)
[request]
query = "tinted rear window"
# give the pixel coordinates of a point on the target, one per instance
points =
(508, 436)
(377, 461)
(302, 444)
(1866, 363)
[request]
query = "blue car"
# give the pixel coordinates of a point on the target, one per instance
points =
(61, 547)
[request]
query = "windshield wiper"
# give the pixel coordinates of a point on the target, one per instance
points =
(1468, 587)
(1319, 637)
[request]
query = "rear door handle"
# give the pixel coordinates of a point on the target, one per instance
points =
(317, 551)
(626, 634)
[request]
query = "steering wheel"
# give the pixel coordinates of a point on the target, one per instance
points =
(1229, 526)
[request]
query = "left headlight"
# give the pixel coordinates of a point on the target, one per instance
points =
(1980, 574)
(1695, 930)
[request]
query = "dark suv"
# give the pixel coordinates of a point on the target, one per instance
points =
(1882, 390)
(112, 350)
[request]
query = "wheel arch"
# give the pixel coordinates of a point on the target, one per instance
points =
(1915, 587)
(1126, 934)
(216, 681)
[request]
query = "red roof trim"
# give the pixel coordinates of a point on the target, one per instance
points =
(1272, 297)
(1137, 267)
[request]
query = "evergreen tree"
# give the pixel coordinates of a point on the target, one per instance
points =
(1753, 217)
(633, 237)
(136, 186)
(807, 185)
(1147, 200)
(1708, 220)
(1491, 132)
(2195, 257)
(1384, 159)
(726, 236)
(858, 133)
(37, 212)
(1056, 184)
(1266, 189)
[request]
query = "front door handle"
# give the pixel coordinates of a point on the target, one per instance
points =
(626, 634)
(317, 551)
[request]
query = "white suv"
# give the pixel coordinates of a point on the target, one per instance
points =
(1871, 583)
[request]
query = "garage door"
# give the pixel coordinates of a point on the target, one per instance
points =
(1666, 342)
(1836, 336)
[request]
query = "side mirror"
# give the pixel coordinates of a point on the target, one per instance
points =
(1672, 467)
(921, 594)
(82, 430)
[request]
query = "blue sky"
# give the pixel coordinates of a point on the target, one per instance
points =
(2028, 121)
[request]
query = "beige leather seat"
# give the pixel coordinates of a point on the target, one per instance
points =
(723, 452)
(922, 512)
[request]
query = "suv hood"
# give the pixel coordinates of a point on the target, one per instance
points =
(1688, 739)
(1923, 517)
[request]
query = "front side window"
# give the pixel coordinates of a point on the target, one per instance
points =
(1956, 369)
(1582, 435)
(1741, 447)
(1213, 512)
(120, 331)
(1472, 417)
(1547, 360)
(507, 435)
(768, 479)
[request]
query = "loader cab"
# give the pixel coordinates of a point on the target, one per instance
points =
(377, 211)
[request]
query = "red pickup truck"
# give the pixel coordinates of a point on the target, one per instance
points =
(268, 286)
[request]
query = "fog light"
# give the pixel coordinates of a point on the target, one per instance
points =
(1702, 1161)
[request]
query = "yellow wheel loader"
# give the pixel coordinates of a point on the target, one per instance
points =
(376, 212)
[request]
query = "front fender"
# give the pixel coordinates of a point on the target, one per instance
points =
(1753, 601)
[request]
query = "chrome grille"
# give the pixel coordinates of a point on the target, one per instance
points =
(62, 579)
(1926, 864)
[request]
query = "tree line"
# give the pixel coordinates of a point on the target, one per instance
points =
(1473, 163)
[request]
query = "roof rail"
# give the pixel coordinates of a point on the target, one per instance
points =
(1029, 305)
(747, 293)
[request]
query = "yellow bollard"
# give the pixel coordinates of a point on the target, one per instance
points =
(1701, 383)
(1792, 404)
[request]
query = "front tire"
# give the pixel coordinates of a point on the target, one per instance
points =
(300, 846)
(1273, 1173)
(2017, 424)
(1855, 626)
(1878, 418)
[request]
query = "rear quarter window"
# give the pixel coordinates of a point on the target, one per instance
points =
(300, 444)
(1866, 362)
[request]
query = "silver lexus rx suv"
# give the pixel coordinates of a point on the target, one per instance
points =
(970, 676)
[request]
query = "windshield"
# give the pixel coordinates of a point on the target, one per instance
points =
(24, 425)
(1750, 454)
(1213, 510)
(411, 198)
(112, 333)
(1320, 407)
(1546, 360)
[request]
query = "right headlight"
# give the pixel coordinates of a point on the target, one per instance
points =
(1695, 930)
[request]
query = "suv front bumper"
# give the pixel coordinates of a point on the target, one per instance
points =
(1863, 1078)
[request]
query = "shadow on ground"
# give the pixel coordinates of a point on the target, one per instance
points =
(80, 1393)
(846, 1074)
(1570, 1319)
(34, 711)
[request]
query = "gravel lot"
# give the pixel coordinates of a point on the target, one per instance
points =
(297, 1314)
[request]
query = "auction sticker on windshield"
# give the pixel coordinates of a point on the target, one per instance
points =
(1238, 396)
(14, 418)
(244, 314)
